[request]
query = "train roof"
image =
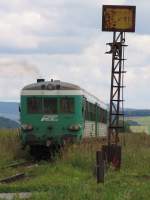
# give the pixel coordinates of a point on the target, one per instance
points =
(55, 85)
(51, 85)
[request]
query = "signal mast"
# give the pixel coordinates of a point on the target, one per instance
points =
(117, 19)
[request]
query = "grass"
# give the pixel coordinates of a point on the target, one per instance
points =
(10, 147)
(72, 176)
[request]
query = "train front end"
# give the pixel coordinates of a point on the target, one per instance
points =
(51, 114)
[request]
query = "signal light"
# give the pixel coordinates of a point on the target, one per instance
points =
(74, 127)
(26, 127)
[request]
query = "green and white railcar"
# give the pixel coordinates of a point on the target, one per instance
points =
(53, 112)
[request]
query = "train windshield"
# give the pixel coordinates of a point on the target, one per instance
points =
(34, 105)
(50, 105)
(67, 105)
(39, 105)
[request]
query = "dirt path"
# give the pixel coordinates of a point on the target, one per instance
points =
(11, 196)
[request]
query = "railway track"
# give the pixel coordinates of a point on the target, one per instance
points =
(18, 176)
(13, 178)
(21, 164)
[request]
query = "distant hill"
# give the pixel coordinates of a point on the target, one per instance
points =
(9, 110)
(8, 123)
(137, 112)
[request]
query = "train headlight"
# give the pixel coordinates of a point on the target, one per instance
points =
(26, 127)
(74, 127)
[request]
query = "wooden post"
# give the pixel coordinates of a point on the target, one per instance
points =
(99, 167)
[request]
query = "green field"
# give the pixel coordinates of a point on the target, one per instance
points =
(144, 123)
(71, 177)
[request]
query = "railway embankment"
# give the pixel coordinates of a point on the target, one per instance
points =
(71, 176)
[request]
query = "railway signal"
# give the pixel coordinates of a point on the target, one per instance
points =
(119, 20)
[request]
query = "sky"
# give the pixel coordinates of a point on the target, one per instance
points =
(62, 39)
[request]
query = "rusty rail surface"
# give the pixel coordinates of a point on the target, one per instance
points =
(13, 178)
(25, 164)
(19, 164)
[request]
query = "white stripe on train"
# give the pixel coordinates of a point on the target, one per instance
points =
(51, 92)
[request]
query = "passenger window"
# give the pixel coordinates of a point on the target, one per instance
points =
(67, 105)
(34, 105)
(50, 105)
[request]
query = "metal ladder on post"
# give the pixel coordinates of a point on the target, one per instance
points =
(116, 111)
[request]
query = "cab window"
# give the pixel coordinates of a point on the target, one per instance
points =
(34, 105)
(67, 105)
(50, 105)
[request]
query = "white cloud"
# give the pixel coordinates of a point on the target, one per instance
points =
(138, 71)
(31, 24)
(20, 30)
(15, 73)
(68, 34)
